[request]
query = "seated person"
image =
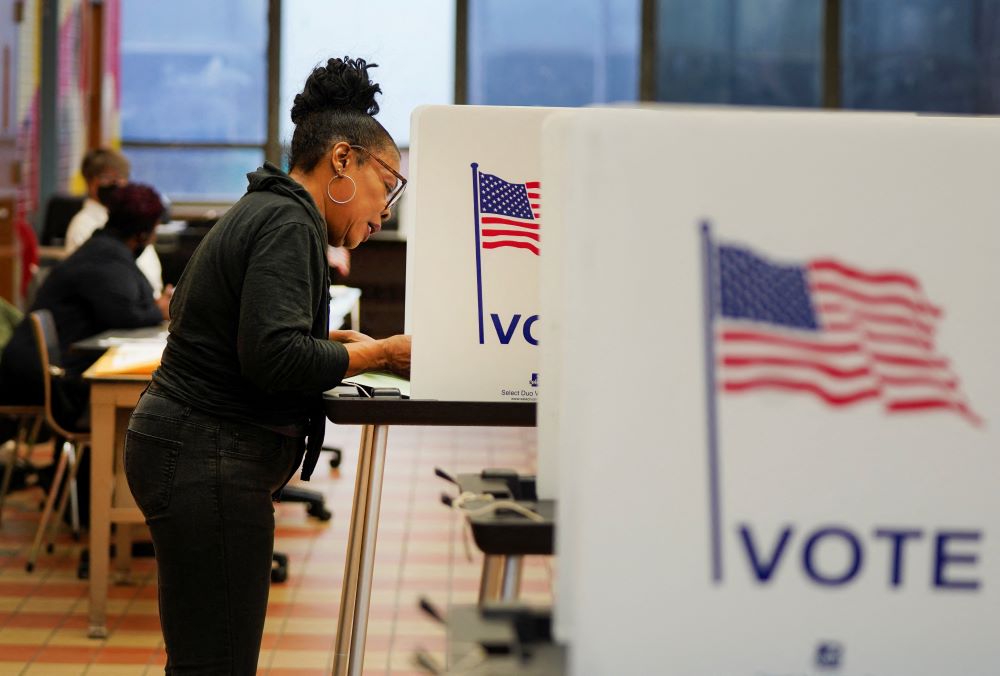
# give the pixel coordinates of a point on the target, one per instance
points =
(98, 288)
(102, 168)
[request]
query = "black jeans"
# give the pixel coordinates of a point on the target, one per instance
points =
(204, 485)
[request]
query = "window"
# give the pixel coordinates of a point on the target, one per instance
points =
(921, 55)
(412, 42)
(194, 104)
(554, 53)
(753, 52)
(194, 95)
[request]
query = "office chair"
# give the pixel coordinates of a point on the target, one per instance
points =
(27, 419)
(73, 445)
(315, 507)
(59, 211)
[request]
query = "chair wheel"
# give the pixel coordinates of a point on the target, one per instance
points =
(29, 566)
(335, 458)
(49, 548)
(319, 511)
(279, 568)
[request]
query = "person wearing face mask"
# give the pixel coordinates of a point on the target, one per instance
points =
(102, 170)
(99, 287)
(222, 427)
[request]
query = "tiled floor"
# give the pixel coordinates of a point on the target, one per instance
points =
(420, 552)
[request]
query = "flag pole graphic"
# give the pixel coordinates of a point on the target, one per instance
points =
(479, 250)
(714, 497)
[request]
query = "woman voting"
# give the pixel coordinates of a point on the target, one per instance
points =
(222, 426)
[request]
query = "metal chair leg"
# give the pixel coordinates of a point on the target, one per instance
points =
(36, 429)
(8, 471)
(79, 450)
(50, 502)
(64, 497)
(69, 497)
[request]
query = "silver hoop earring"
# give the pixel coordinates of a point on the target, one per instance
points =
(353, 193)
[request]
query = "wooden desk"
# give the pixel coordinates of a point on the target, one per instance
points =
(112, 399)
(376, 415)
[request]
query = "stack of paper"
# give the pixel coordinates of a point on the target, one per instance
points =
(129, 359)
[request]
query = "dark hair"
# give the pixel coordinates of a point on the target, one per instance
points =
(133, 209)
(99, 160)
(336, 104)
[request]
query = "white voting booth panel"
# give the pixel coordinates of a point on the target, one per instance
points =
(559, 157)
(477, 210)
(797, 472)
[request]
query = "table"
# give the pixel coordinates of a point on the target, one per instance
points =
(376, 415)
(112, 399)
(100, 343)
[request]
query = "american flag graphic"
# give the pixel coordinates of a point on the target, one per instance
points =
(832, 331)
(508, 213)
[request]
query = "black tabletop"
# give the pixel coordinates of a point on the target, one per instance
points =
(507, 533)
(516, 638)
(398, 411)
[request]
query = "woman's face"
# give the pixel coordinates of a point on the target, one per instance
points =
(353, 222)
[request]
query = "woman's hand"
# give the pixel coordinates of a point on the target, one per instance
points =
(397, 350)
(343, 336)
(388, 354)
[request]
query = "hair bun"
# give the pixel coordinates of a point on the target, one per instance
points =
(342, 85)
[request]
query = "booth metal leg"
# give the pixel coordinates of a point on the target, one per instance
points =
(359, 567)
(511, 588)
(491, 582)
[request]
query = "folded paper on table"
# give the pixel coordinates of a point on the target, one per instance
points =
(112, 341)
(129, 359)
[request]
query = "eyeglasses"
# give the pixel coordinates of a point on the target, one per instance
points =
(397, 191)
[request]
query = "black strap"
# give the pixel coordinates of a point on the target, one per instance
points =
(314, 442)
(317, 421)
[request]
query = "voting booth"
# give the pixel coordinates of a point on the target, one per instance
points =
(478, 216)
(795, 470)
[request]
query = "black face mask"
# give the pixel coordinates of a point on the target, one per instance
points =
(104, 192)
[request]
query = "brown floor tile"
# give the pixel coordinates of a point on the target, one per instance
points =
(421, 553)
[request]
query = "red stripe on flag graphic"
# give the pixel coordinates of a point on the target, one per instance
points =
(497, 220)
(832, 398)
(874, 341)
(510, 243)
